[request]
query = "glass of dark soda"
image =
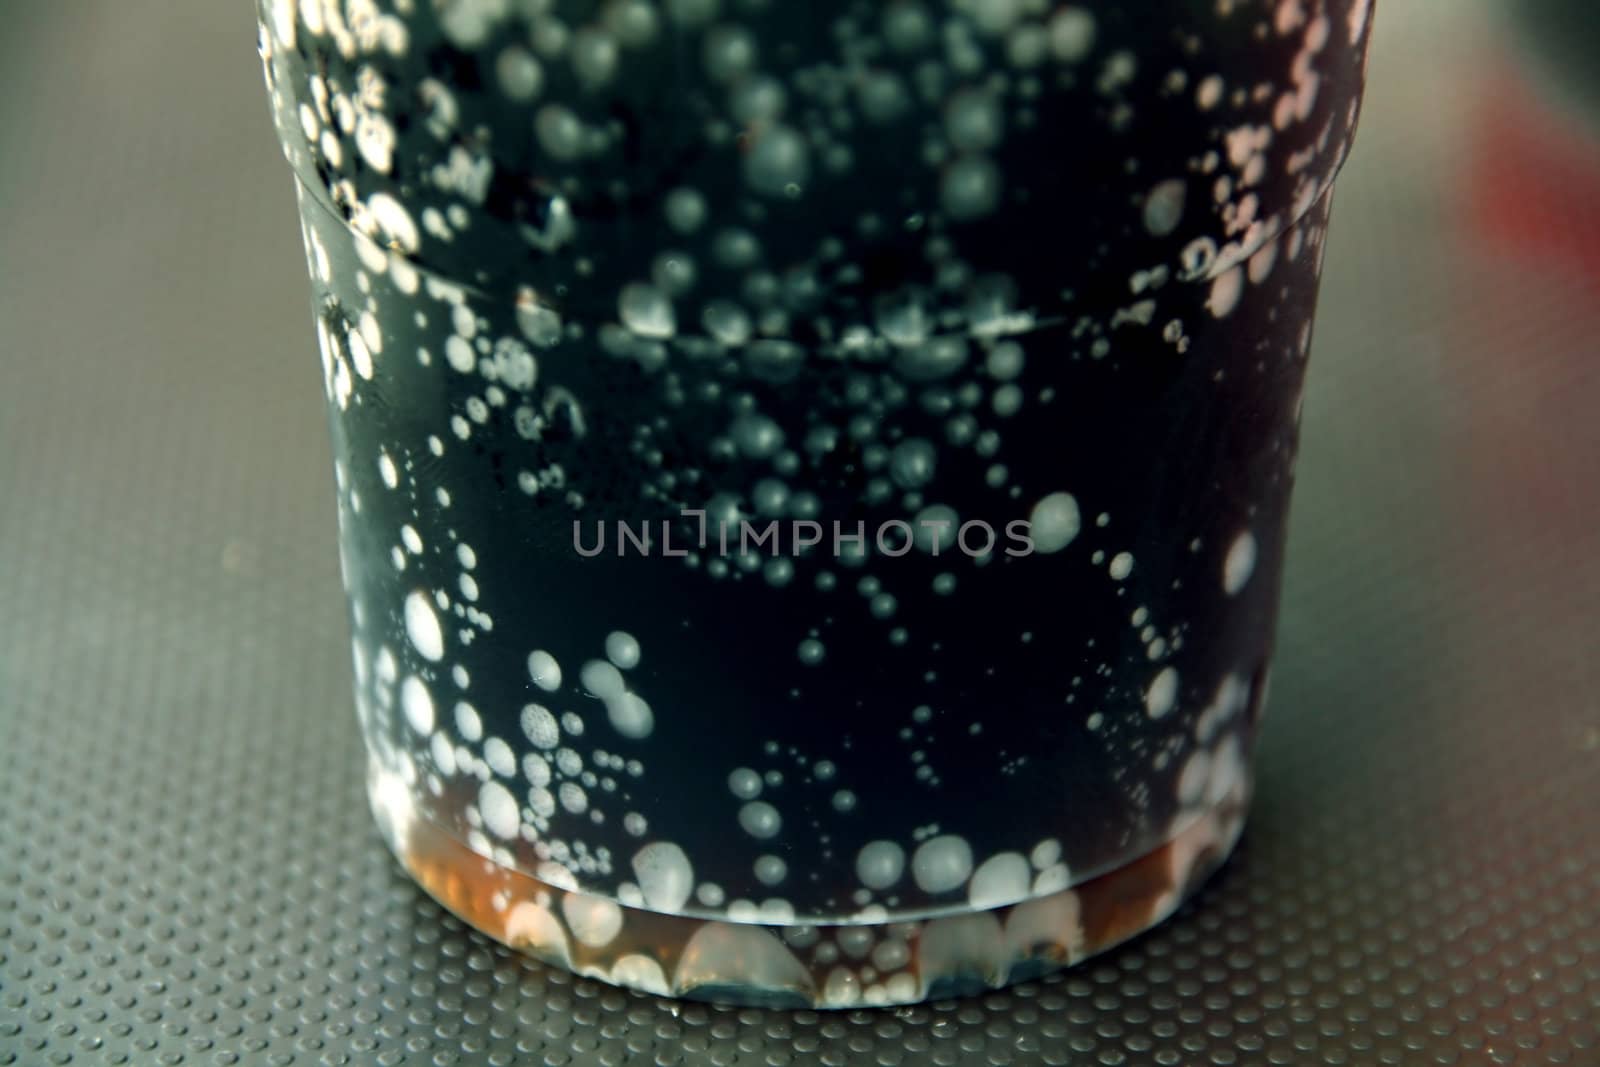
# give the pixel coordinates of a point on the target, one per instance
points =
(812, 477)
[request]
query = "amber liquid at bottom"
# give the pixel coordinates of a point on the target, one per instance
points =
(801, 965)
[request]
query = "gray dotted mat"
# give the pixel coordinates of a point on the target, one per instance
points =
(188, 874)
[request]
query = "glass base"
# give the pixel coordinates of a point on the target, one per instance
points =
(805, 965)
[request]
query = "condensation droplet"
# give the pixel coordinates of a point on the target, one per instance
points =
(970, 188)
(1054, 522)
(1240, 563)
(744, 783)
(622, 649)
(760, 819)
(544, 671)
(422, 626)
(880, 864)
(646, 311)
(1001, 879)
(942, 863)
(498, 807)
(417, 703)
(778, 162)
(664, 874)
(1163, 207)
(1162, 694)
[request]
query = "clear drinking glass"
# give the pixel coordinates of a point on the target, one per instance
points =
(812, 476)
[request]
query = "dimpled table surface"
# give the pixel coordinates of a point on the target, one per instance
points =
(188, 873)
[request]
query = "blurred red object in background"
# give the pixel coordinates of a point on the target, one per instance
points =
(1530, 439)
(1534, 175)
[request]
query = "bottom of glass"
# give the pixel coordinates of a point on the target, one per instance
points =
(805, 965)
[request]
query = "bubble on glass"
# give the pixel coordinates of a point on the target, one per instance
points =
(1054, 522)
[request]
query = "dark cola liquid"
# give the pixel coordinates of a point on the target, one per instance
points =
(812, 477)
